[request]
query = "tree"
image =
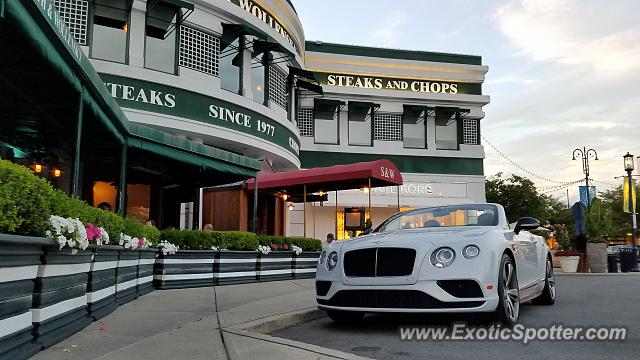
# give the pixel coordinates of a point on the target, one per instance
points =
(600, 223)
(519, 197)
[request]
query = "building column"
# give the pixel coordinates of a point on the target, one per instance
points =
(137, 32)
(245, 68)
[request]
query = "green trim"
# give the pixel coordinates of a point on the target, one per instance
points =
(322, 47)
(409, 164)
(195, 106)
(206, 157)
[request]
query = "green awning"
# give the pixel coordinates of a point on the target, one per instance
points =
(56, 45)
(183, 150)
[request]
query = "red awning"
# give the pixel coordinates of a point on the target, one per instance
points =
(331, 178)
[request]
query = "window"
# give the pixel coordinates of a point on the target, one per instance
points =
(160, 43)
(305, 122)
(199, 51)
(414, 127)
(257, 78)
(446, 129)
(110, 29)
(470, 131)
(230, 67)
(326, 115)
(277, 87)
(360, 123)
(388, 127)
(75, 14)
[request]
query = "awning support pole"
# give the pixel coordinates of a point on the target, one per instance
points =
(122, 186)
(75, 171)
(304, 209)
(254, 226)
(370, 219)
(336, 215)
(1, 9)
(398, 192)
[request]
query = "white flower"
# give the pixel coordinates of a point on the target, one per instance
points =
(296, 249)
(167, 247)
(265, 250)
(214, 248)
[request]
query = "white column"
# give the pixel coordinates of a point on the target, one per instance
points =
(137, 33)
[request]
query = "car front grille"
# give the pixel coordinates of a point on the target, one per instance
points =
(375, 262)
(393, 299)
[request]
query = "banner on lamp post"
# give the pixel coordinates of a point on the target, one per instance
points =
(583, 195)
(625, 201)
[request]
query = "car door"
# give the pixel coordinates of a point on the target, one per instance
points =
(527, 258)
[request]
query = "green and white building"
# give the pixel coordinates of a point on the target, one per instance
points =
(237, 79)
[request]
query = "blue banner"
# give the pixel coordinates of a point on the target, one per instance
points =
(583, 194)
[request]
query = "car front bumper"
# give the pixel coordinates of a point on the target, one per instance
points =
(425, 296)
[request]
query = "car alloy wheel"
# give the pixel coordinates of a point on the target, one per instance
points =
(508, 292)
(548, 295)
(511, 292)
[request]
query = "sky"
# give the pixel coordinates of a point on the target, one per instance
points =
(563, 74)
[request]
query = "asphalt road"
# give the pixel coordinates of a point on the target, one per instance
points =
(587, 300)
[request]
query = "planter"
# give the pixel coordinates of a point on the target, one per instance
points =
(127, 276)
(20, 258)
(101, 287)
(569, 264)
(236, 267)
(597, 257)
(60, 295)
(144, 284)
(275, 266)
(305, 265)
(555, 259)
(185, 269)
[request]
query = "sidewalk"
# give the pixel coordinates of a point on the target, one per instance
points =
(199, 323)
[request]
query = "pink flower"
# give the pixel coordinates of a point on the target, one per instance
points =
(92, 232)
(140, 244)
(285, 246)
(274, 246)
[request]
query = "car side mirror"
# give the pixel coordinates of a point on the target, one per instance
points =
(526, 223)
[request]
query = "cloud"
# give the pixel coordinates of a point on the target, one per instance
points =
(391, 30)
(571, 32)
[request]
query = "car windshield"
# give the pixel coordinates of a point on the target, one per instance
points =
(443, 216)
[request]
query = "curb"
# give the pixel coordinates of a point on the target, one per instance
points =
(596, 274)
(260, 330)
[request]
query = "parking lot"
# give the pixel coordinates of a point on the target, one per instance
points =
(583, 301)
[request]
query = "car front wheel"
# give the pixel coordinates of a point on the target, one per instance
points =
(345, 317)
(508, 293)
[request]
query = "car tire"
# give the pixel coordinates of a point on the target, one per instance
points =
(508, 293)
(548, 296)
(345, 317)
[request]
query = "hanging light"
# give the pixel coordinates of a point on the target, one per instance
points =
(57, 172)
(37, 168)
(285, 197)
(290, 207)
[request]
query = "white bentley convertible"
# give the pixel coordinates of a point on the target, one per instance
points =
(459, 258)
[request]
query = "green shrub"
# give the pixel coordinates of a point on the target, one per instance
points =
(24, 201)
(27, 202)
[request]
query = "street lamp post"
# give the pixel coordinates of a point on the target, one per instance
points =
(584, 154)
(628, 167)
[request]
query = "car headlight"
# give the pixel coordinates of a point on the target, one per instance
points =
(323, 257)
(470, 251)
(442, 257)
(332, 260)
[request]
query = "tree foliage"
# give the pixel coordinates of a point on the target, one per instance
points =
(519, 197)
